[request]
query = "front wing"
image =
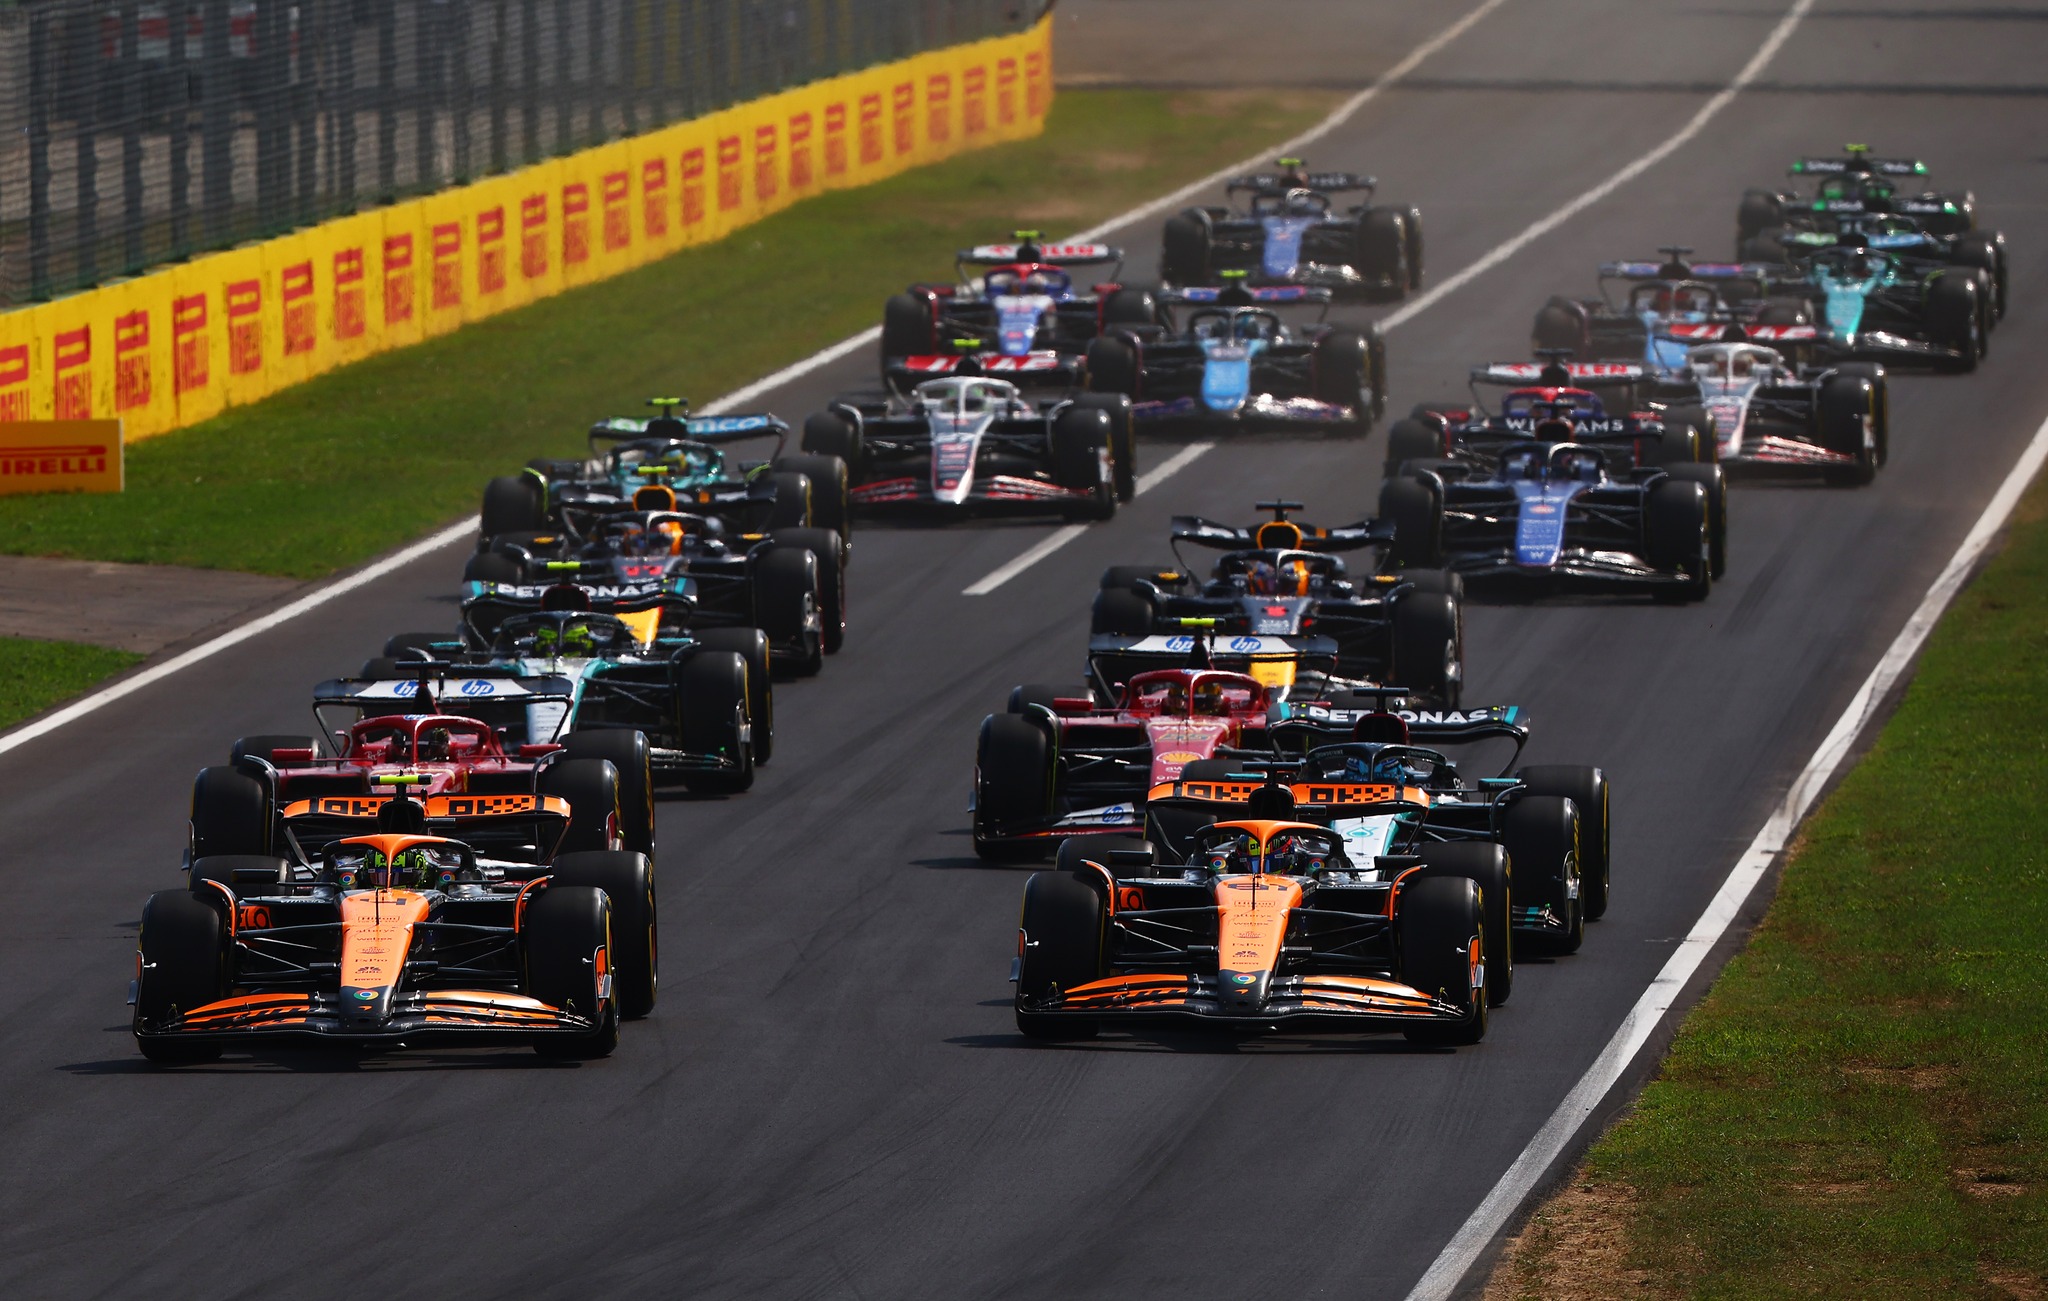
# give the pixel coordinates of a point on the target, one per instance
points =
(1312, 1001)
(299, 1018)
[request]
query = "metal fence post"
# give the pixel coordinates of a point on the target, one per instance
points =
(177, 125)
(38, 154)
(83, 95)
(529, 81)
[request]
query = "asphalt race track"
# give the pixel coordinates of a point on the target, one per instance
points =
(831, 1100)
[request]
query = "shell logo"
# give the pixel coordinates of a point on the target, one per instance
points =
(1179, 756)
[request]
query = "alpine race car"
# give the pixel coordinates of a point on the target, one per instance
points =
(1232, 361)
(1283, 228)
(789, 583)
(1269, 924)
(703, 700)
(967, 443)
(393, 937)
(683, 459)
(1671, 306)
(1281, 578)
(1555, 488)
(1015, 313)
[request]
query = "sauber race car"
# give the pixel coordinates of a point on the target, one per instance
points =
(684, 457)
(1014, 313)
(790, 583)
(1284, 579)
(1284, 228)
(1556, 488)
(1268, 924)
(397, 936)
(968, 442)
(1231, 360)
(703, 700)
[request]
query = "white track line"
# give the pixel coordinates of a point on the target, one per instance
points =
(1060, 537)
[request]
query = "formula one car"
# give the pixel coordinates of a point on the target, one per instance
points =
(1672, 305)
(1760, 411)
(1902, 304)
(972, 443)
(1268, 924)
(397, 937)
(546, 794)
(1233, 361)
(1282, 229)
(1020, 317)
(790, 583)
(703, 700)
(1856, 185)
(1280, 578)
(681, 459)
(1557, 488)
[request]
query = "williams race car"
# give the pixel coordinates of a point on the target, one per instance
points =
(971, 443)
(1232, 361)
(1284, 229)
(397, 936)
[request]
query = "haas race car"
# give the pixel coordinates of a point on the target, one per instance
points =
(1285, 228)
(395, 933)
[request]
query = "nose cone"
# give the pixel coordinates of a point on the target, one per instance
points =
(1242, 993)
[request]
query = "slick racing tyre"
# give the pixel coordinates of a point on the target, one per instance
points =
(1060, 947)
(1713, 481)
(831, 506)
(829, 433)
(591, 786)
(1846, 421)
(1681, 443)
(1112, 366)
(787, 606)
(1706, 447)
(792, 505)
(1429, 640)
(1759, 211)
(1587, 789)
(1439, 924)
(1013, 786)
(1342, 374)
(1411, 229)
(1123, 443)
(1120, 612)
(490, 567)
(1184, 252)
(1488, 867)
(751, 645)
(231, 813)
(831, 550)
(183, 967)
(712, 708)
(627, 879)
(627, 751)
(514, 503)
(1381, 251)
(1955, 319)
(1410, 439)
(1080, 443)
(1676, 538)
(909, 329)
(568, 951)
(1880, 402)
(415, 645)
(1985, 249)
(1418, 518)
(1541, 835)
(1131, 308)
(1561, 323)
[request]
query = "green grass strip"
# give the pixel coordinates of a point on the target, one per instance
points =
(331, 472)
(37, 674)
(1859, 1108)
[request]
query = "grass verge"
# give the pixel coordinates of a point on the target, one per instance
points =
(37, 674)
(326, 474)
(1859, 1108)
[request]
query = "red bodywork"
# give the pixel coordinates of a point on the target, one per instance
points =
(1181, 715)
(469, 760)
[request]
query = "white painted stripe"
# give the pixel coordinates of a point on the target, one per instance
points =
(740, 397)
(1055, 540)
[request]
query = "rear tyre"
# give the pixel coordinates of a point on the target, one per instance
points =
(626, 750)
(831, 507)
(1418, 519)
(1694, 417)
(712, 687)
(1561, 323)
(231, 813)
(1013, 785)
(1541, 834)
(1954, 319)
(830, 550)
(751, 645)
(183, 967)
(415, 645)
(1409, 439)
(514, 503)
(1676, 538)
(1185, 247)
(568, 950)
(1081, 442)
(627, 879)
(591, 786)
(1847, 419)
(792, 505)
(828, 433)
(1488, 867)
(1411, 226)
(1713, 481)
(1112, 367)
(1131, 308)
(1760, 210)
(1586, 788)
(787, 608)
(1123, 444)
(1382, 250)
(1429, 640)
(1440, 923)
(1120, 612)
(1985, 249)
(1880, 402)
(1343, 374)
(1060, 947)
(908, 328)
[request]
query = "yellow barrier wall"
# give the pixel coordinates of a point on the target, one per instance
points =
(176, 346)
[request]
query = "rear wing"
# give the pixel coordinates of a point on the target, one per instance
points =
(452, 687)
(1333, 721)
(1223, 537)
(1114, 658)
(1582, 374)
(1041, 366)
(1259, 295)
(712, 430)
(1054, 255)
(1277, 182)
(1694, 271)
(1857, 162)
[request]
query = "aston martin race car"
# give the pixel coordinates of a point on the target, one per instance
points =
(1557, 490)
(1856, 184)
(674, 460)
(1231, 360)
(397, 937)
(1280, 578)
(1284, 228)
(1015, 312)
(969, 443)
(1269, 924)
(704, 700)
(478, 731)
(790, 583)
(1893, 300)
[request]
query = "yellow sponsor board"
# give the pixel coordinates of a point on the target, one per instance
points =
(60, 456)
(178, 345)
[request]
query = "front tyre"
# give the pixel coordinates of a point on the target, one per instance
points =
(1060, 947)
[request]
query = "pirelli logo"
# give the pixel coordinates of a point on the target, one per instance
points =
(60, 456)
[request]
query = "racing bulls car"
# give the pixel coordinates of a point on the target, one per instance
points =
(1268, 924)
(1556, 488)
(972, 443)
(397, 936)
(1283, 579)
(1283, 229)
(1232, 361)
(1015, 313)
(684, 455)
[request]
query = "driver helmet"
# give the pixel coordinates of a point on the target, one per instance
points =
(572, 640)
(1741, 364)
(435, 745)
(408, 869)
(1209, 697)
(1262, 579)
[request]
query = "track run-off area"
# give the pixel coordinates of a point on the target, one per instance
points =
(831, 1099)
